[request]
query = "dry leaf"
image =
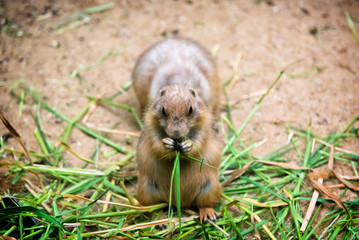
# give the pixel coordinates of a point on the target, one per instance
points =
(266, 204)
(237, 174)
(15, 135)
(290, 196)
(345, 182)
(323, 175)
(284, 165)
(2, 237)
(332, 196)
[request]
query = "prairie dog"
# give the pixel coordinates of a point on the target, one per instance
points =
(177, 86)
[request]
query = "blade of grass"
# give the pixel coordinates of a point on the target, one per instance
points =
(68, 148)
(46, 143)
(296, 216)
(40, 141)
(9, 231)
(352, 27)
(21, 104)
(128, 195)
(278, 224)
(177, 182)
(306, 161)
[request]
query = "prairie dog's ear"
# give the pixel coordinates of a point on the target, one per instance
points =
(194, 93)
(162, 92)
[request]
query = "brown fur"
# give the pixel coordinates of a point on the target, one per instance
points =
(178, 111)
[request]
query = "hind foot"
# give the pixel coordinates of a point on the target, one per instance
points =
(208, 214)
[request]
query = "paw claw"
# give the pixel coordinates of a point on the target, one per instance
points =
(207, 214)
(162, 227)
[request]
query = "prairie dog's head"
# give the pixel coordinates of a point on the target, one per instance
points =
(178, 111)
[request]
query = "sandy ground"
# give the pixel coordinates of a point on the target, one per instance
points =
(265, 36)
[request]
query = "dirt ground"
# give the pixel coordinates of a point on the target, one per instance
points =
(265, 36)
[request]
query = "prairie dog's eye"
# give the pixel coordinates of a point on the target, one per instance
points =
(164, 111)
(190, 111)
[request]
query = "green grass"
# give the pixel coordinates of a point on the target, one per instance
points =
(352, 27)
(61, 212)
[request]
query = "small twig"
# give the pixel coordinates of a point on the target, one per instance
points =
(351, 177)
(47, 208)
(256, 233)
(220, 229)
(311, 207)
(313, 201)
(290, 136)
(313, 145)
(108, 198)
(34, 186)
(72, 225)
(340, 185)
(336, 148)
(93, 106)
(246, 97)
(327, 228)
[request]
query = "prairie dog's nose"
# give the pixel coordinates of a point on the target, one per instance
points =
(176, 134)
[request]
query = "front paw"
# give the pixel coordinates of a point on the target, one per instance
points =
(186, 146)
(169, 144)
(174, 145)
